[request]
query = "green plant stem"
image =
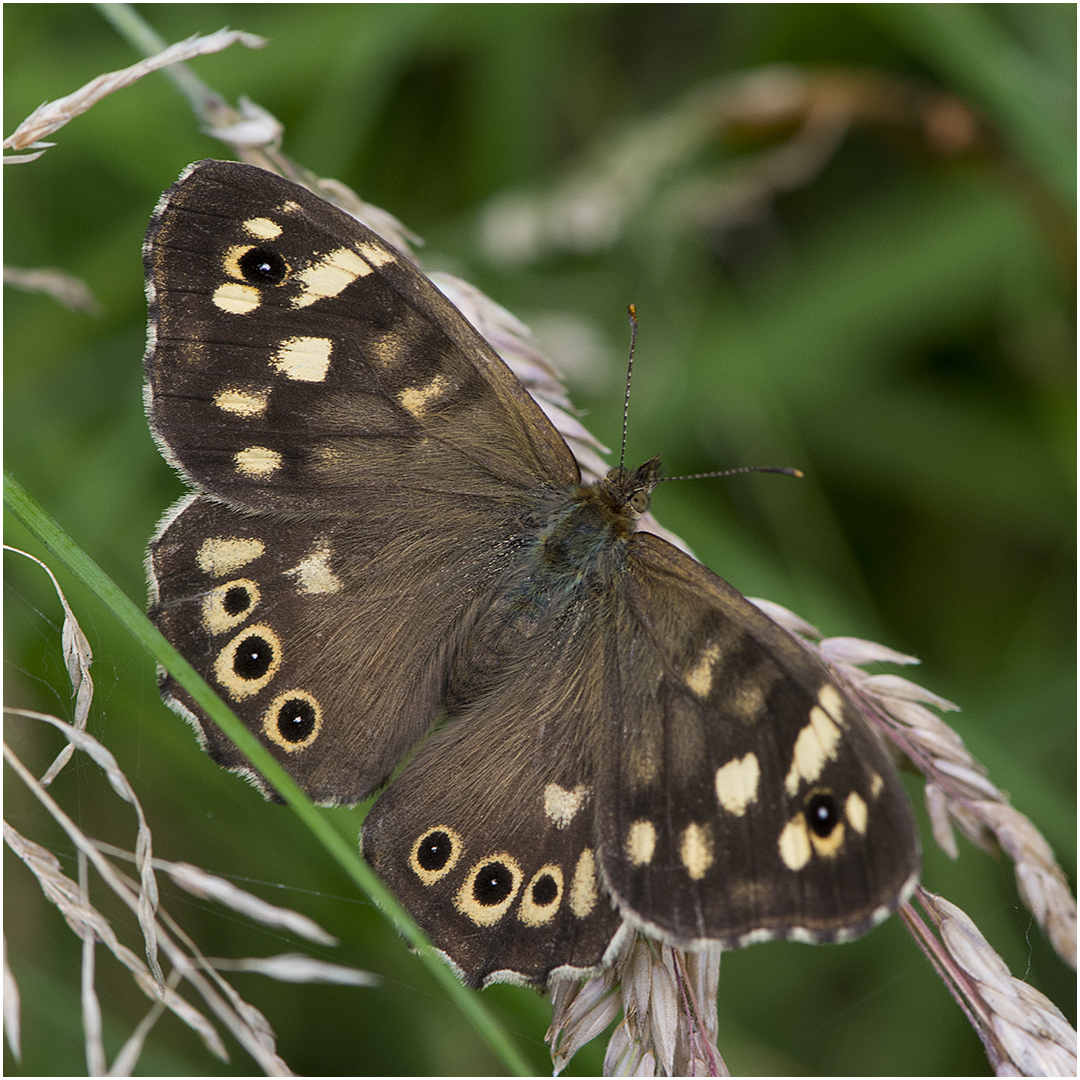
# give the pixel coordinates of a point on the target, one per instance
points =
(49, 532)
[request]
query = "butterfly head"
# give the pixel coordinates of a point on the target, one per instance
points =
(633, 489)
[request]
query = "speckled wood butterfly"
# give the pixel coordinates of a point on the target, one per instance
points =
(389, 548)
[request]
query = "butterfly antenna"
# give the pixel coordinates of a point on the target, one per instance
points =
(797, 473)
(631, 311)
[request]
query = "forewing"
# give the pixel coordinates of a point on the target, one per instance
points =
(745, 796)
(299, 363)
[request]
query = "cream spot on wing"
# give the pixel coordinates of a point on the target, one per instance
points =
(828, 846)
(331, 459)
(305, 359)
(387, 349)
(257, 462)
(247, 404)
(641, 842)
(855, 811)
(643, 766)
(313, 574)
(583, 889)
(542, 896)
(290, 206)
(700, 677)
(876, 784)
(748, 702)
(228, 605)
(561, 806)
(236, 299)
(329, 275)
(794, 843)
(696, 850)
(416, 398)
(816, 744)
(737, 784)
(262, 228)
(220, 555)
(469, 899)
(376, 256)
(830, 700)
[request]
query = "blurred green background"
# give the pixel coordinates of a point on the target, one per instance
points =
(894, 316)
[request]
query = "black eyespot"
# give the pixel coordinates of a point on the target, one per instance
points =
(545, 890)
(293, 719)
(237, 599)
(822, 814)
(493, 883)
(252, 657)
(434, 850)
(296, 719)
(263, 267)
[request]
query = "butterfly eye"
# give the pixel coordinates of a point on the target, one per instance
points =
(544, 890)
(296, 719)
(228, 605)
(640, 501)
(822, 814)
(263, 267)
(249, 662)
(293, 720)
(542, 897)
(486, 894)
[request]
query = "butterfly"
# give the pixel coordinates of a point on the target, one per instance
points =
(389, 555)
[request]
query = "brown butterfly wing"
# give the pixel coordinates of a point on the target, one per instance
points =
(362, 457)
(745, 796)
(488, 835)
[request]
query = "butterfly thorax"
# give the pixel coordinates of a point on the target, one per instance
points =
(584, 542)
(573, 551)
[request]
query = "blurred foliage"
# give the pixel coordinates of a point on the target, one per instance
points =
(900, 325)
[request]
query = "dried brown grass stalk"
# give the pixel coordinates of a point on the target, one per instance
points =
(161, 935)
(647, 170)
(1023, 1032)
(48, 118)
(67, 290)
